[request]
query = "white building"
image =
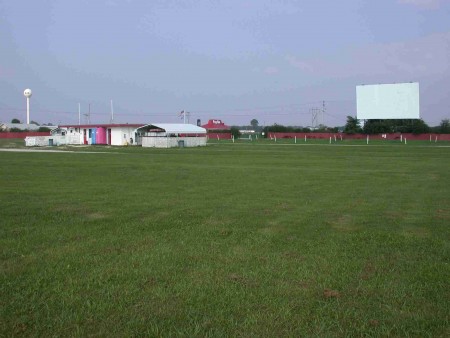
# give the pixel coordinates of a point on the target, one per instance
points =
(160, 135)
(58, 137)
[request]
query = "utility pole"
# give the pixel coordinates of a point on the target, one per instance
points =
(315, 117)
(323, 110)
(88, 115)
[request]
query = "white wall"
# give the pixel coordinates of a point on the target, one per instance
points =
(120, 136)
(171, 142)
(58, 140)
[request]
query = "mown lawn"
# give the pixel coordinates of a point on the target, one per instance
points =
(228, 240)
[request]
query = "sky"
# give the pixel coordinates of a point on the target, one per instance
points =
(276, 61)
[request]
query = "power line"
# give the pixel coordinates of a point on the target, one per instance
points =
(293, 109)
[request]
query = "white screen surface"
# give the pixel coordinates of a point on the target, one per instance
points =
(388, 101)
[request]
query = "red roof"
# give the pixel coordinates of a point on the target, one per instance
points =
(216, 125)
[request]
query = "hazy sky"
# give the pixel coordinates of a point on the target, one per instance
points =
(273, 60)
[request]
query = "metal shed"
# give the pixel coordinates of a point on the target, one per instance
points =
(170, 135)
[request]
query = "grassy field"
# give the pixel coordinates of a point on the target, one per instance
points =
(247, 239)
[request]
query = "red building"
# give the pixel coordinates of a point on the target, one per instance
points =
(215, 125)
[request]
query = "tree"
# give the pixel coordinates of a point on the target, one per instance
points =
(254, 123)
(419, 127)
(235, 132)
(352, 126)
(34, 122)
(377, 127)
(15, 121)
(444, 127)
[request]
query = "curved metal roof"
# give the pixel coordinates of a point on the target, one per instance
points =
(176, 128)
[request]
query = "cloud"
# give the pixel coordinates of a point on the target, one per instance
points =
(271, 70)
(420, 57)
(408, 60)
(425, 4)
(299, 64)
(7, 72)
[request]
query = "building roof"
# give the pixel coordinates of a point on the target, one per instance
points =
(176, 128)
(22, 126)
(216, 125)
(102, 125)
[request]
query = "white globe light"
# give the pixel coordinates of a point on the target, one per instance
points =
(27, 92)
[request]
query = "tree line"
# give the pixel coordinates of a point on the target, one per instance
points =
(42, 128)
(386, 126)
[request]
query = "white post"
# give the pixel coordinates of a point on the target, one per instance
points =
(275, 138)
(401, 138)
(341, 137)
(435, 140)
(232, 138)
(217, 137)
(79, 114)
(250, 137)
(28, 110)
(305, 137)
(430, 137)
(367, 139)
(330, 139)
(405, 140)
(295, 139)
(334, 138)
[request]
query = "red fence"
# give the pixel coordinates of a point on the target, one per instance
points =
(24, 134)
(393, 136)
(220, 136)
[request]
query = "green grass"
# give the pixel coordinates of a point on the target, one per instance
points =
(228, 240)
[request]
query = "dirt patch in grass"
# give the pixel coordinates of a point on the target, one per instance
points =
(242, 280)
(344, 223)
(293, 255)
(150, 283)
(395, 215)
(368, 271)
(330, 294)
(225, 233)
(442, 214)
(304, 284)
(96, 215)
(273, 227)
(421, 232)
(79, 211)
(284, 206)
(20, 328)
(374, 323)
